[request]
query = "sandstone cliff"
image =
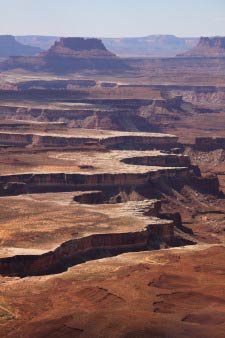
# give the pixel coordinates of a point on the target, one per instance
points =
(208, 47)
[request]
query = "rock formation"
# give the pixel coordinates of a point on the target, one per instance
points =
(208, 47)
(79, 47)
(10, 47)
(70, 54)
(96, 245)
(152, 45)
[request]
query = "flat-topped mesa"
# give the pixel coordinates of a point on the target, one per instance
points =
(79, 47)
(208, 47)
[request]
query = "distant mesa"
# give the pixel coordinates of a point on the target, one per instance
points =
(10, 47)
(148, 46)
(69, 54)
(79, 47)
(208, 47)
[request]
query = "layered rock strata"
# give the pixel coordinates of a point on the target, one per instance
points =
(110, 140)
(146, 231)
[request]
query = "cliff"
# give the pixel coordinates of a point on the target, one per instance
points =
(84, 249)
(208, 47)
(10, 47)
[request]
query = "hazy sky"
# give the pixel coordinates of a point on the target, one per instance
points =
(112, 18)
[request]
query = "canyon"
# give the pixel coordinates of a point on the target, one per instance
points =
(111, 194)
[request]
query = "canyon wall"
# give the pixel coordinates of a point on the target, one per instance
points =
(19, 140)
(209, 143)
(161, 161)
(175, 177)
(115, 142)
(87, 248)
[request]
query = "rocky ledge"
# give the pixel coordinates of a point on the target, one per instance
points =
(81, 137)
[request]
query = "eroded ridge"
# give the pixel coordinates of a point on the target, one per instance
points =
(115, 211)
(136, 227)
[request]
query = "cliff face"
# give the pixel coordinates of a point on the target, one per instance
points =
(11, 139)
(51, 182)
(208, 47)
(87, 248)
(76, 252)
(209, 143)
(10, 47)
(132, 141)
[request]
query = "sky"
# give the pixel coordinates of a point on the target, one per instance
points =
(112, 18)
